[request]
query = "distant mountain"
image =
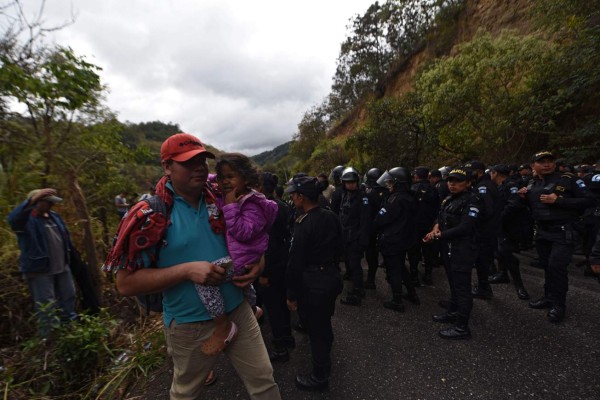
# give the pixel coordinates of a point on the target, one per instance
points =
(272, 156)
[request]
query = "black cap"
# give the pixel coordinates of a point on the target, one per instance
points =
(475, 165)
(524, 166)
(501, 169)
(541, 155)
(306, 185)
(459, 174)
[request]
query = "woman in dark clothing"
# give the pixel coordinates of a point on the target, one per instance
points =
(455, 228)
(313, 278)
(272, 279)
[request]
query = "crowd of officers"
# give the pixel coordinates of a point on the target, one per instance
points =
(462, 218)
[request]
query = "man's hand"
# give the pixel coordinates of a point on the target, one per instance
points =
(292, 305)
(254, 271)
(522, 192)
(548, 198)
(41, 194)
(204, 273)
(434, 234)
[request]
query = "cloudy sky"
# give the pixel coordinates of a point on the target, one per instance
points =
(238, 74)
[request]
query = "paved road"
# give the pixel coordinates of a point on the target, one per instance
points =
(514, 353)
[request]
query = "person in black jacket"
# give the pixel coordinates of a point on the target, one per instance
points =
(487, 228)
(272, 279)
(428, 206)
(456, 230)
(377, 195)
(556, 200)
(513, 216)
(355, 217)
(396, 224)
(313, 278)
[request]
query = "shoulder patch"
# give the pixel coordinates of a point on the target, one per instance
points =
(382, 211)
(482, 190)
(514, 190)
(365, 200)
(596, 178)
(560, 188)
(580, 183)
(473, 212)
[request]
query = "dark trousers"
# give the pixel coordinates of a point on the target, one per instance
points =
(317, 318)
(461, 298)
(555, 249)
(274, 298)
(354, 257)
(486, 245)
(397, 271)
(507, 261)
(372, 257)
(424, 251)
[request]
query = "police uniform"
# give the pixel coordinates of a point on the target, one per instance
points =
(428, 206)
(457, 222)
(555, 233)
(355, 217)
(487, 231)
(395, 222)
(591, 216)
(314, 281)
(513, 214)
(377, 195)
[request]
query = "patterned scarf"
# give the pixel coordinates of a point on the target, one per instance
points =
(142, 229)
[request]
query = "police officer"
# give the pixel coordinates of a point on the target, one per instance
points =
(355, 217)
(487, 229)
(428, 207)
(456, 230)
(336, 196)
(591, 216)
(313, 278)
(556, 199)
(377, 195)
(513, 213)
(435, 178)
(396, 223)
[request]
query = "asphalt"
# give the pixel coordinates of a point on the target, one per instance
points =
(380, 354)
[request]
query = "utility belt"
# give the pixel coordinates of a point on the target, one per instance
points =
(552, 226)
(322, 268)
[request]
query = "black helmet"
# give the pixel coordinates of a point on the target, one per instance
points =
(372, 175)
(336, 174)
(398, 175)
(350, 175)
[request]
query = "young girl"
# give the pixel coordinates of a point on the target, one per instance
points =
(248, 216)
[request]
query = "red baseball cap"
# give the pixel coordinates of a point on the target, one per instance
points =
(181, 147)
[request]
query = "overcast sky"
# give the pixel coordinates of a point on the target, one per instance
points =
(237, 74)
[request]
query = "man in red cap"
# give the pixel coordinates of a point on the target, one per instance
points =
(190, 240)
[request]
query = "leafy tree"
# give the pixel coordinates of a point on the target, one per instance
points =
(311, 132)
(492, 98)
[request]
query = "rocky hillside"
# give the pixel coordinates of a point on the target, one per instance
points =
(478, 15)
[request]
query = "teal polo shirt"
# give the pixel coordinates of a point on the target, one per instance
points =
(190, 238)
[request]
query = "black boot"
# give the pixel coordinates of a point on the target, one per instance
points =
(556, 314)
(541, 303)
(351, 300)
(500, 277)
(522, 293)
(310, 382)
(279, 355)
(458, 332)
(483, 291)
(444, 318)
(396, 303)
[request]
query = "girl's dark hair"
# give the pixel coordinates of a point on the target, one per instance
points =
(241, 164)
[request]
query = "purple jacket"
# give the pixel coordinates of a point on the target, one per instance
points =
(247, 227)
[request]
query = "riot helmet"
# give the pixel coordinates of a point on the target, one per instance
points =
(444, 171)
(350, 175)
(372, 175)
(397, 175)
(336, 174)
